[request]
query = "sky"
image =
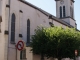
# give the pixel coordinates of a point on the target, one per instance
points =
(50, 7)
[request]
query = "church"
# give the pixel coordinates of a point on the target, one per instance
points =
(19, 19)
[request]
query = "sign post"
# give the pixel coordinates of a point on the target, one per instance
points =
(20, 45)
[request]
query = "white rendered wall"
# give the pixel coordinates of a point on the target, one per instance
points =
(3, 37)
(36, 18)
(67, 4)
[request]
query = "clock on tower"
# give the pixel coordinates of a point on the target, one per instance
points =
(61, 1)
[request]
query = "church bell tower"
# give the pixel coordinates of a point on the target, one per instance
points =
(65, 11)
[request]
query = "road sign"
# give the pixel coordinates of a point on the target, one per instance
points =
(76, 52)
(20, 45)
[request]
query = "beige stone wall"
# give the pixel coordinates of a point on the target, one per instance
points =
(12, 54)
(38, 57)
(72, 22)
(0, 7)
(57, 23)
(3, 39)
(29, 54)
(37, 18)
(66, 20)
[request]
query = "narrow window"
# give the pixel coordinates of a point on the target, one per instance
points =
(28, 31)
(23, 54)
(13, 28)
(0, 26)
(60, 12)
(0, 22)
(71, 12)
(63, 11)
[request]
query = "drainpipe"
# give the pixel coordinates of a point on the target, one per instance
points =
(8, 30)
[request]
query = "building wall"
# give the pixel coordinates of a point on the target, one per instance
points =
(72, 22)
(66, 20)
(67, 4)
(0, 7)
(3, 37)
(38, 57)
(37, 18)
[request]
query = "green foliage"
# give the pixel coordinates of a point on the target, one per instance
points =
(56, 42)
(39, 41)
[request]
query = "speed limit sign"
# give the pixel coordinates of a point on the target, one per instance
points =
(20, 45)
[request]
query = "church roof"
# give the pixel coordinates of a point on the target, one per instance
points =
(46, 13)
(71, 0)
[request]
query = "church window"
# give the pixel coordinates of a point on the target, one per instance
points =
(23, 54)
(63, 11)
(28, 31)
(60, 12)
(71, 12)
(0, 26)
(13, 28)
(0, 22)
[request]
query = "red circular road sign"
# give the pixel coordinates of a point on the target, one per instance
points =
(76, 52)
(20, 45)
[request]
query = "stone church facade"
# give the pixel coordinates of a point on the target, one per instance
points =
(19, 19)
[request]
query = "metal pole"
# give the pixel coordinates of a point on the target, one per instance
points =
(75, 57)
(20, 55)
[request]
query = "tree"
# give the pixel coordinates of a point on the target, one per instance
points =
(65, 41)
(55, 42)
(39, 42)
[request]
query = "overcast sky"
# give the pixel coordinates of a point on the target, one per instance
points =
(50, 6)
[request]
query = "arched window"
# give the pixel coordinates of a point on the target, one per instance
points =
(64, 11)
(60, 12)
(28, 31)
(13, 28)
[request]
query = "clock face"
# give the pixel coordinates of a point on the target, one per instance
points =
(61, 1)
